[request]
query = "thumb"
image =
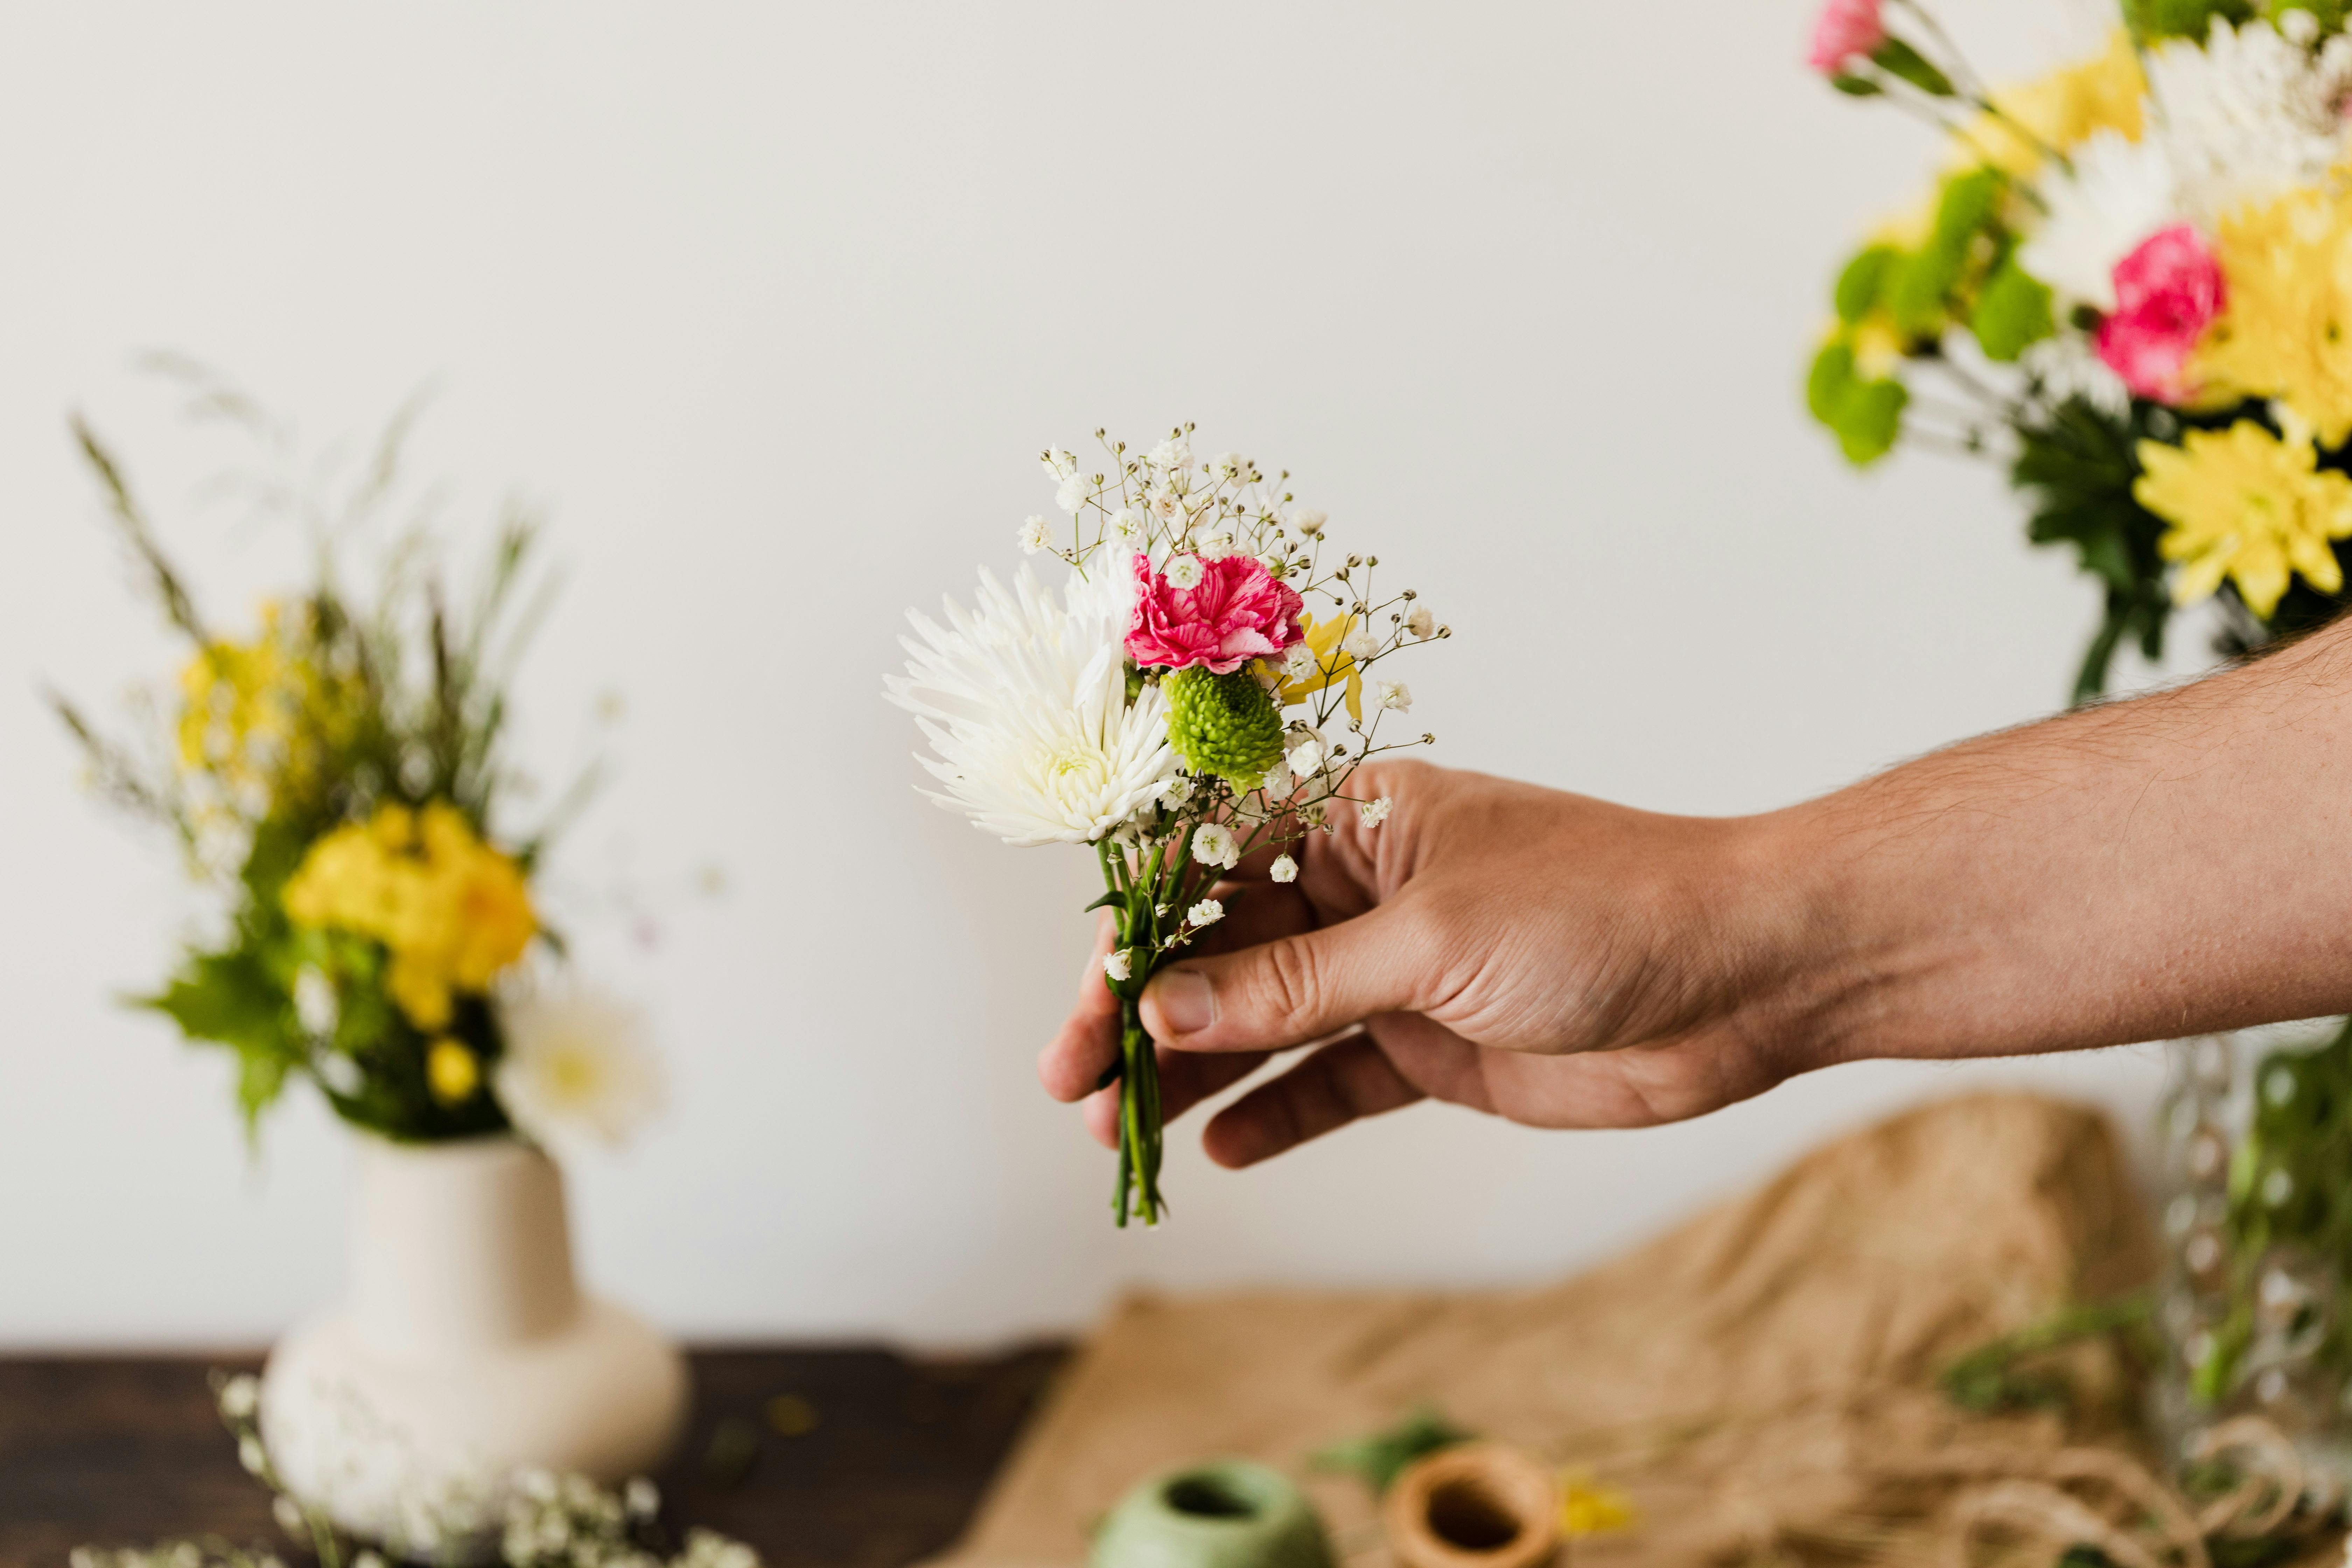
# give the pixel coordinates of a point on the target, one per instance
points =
(1290, 991)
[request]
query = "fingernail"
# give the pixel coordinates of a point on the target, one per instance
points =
(1186, 1000)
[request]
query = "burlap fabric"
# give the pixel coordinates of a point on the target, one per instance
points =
(1760, 1380)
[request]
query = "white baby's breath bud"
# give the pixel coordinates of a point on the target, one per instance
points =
(1118, 964)
(1273, 563)
(1175, 789)
(1308, 521)
(1283, 869)
(1228, 465)
(1173, 453)
(1071, 494)
(1214, 844)
(1059, 464)
(1277, 784)
(641, 1498)
(1166, 503)
(1395, 696)
(1360, 645)
(314, 1002)
(1125, 525)
(1298, 662)
(1207, 913)
(1374, 811)
(1034, 536)
(1214, 546)
(1306, 758)
(289, 1515)
(1421, 623)
(1183, 572)
(252, 1455)
(370, 1560)
(338, 1072)
(240, 1397)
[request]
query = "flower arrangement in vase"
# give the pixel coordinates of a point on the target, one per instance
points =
(334, 775)
(2132, 285)
(1177, 706)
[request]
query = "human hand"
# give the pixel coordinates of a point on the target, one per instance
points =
(1541, 956)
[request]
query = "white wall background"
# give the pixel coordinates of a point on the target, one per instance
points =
(773, 306)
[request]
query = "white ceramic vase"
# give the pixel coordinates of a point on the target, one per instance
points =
(465, 1352)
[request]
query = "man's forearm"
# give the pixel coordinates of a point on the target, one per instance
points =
(2159, 867)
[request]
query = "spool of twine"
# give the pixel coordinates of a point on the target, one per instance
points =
(1482, 1505)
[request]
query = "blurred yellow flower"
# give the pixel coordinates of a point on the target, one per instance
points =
(2246, 505)
(451, 910)
(1588, 1508)
(1331, 663)
(256, 715)
(2060, 109)
(451, 1071)
(2285, 327)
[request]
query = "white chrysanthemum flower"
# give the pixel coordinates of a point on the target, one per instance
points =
(1309, 521)
(1183, 571)
(578, 1065)
(1306, 758)
(1072, 494)
(1360, 645)
(2248, 115)
(1374, 811)
(1421, 623)
(1395, 696)
(1278, 784)
(1059, 464)
(1167, 504)
(1283, 869)
(1171, 454)
(2067, 365)
(1298, 662)
(1118, 964)
(1034, 536)
(1213, 546)
(2119, 194)
(1023, 700)
(1125, 526)
(1207, 913)
(1214, 844)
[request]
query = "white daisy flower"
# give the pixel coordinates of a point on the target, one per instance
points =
(1059, 464)
(1034, 536)
(1283, 869)
(1374, 811)
(1309, 521)
(1024, 703)
(578, 1065)
(1118, 964)
(2119, 194)
(1183, 571)
(1214, 844)
(1421, 623)
(1394, 695)
(1071, 494)
(1207, 913)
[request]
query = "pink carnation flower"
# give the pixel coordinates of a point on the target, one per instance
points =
(1844, 29)
(2168, 292)
(1238, 611)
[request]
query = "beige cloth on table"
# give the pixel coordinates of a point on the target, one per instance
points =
(1760, 1380)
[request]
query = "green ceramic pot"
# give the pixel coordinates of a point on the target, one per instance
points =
(1227, 1513)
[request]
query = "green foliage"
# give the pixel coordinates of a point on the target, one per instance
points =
(2328, 14)
(1855, 85)
(1899, 60)
(1865, 414)
(1861, 286)
(1376, 1458)
(2151, 20)
(1223, 724)
(1923, 292)
(2012, 1372)
(2013, 311)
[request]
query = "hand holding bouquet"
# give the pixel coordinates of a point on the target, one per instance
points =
(1179, 705)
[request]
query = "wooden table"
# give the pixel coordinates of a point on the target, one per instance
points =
(815, 1457)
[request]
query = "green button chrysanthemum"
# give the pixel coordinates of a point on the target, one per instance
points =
(1223, 724)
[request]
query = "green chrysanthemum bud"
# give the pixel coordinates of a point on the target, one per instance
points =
(1223, 724)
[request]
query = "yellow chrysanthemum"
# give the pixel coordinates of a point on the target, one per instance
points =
(2285, 327)
(451, 910)
(2061, 109)
(451, 1071)
(2247, 506)
(256, 715)
(1588, 1508)
(1331, 663)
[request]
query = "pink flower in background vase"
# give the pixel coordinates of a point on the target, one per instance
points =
(1228, 611)
(1845, 29)
(2168, 292)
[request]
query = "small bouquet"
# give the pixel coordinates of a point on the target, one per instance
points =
(1176, 705)
(2132, 284)
(333, 773)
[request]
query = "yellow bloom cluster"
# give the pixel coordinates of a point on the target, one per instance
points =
(1587, 1507)
(452, 911)
(2061, 109)
(240, 702)
(2283, 324)
(2246, 505)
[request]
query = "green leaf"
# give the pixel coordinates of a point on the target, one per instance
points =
(227, 997)
(1871, 420)
(2151, 20)
(1378, 1457)
(1898, 58)
(1855, 86)
(1924, 290)
(1113, 900)
(1829, 382)
(2013, 311)
(1864, 281)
